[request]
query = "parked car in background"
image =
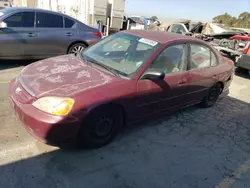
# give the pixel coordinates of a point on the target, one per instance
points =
(232, 43)
(126, 77)
(179, 28)
(243, 62)
(27, 33)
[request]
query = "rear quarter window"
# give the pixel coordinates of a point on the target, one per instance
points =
(68, 23)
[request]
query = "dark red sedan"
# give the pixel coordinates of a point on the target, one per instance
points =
(128, 76)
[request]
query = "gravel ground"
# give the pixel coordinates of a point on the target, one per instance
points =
(192, 148)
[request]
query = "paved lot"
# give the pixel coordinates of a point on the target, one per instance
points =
(193, 148)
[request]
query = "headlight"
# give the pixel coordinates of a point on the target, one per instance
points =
(54, 105)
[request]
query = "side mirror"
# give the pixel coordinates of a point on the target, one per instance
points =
(153, 75)
(3, 25)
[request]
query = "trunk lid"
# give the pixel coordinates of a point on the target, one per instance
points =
(61, 76)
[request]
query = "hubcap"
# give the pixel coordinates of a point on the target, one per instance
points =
(104, 126)
(77, 49)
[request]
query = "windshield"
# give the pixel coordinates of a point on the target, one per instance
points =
(122, 53)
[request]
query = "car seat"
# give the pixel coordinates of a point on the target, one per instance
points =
(163, 63)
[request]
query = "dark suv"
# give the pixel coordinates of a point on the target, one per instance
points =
(36, 34)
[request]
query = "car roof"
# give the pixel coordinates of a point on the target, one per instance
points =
(159, 36)
(16, 9)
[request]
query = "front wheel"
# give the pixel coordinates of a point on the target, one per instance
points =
(212, 96)
(100, 127)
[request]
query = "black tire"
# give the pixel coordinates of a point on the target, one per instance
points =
(212, 96)
(241, 70)
(100, 127)
(75, 48)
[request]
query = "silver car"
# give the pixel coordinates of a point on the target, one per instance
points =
(27, 33)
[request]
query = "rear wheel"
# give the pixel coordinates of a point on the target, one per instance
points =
(241, 70)
(76, 48)
(212, 96)
(100, 127)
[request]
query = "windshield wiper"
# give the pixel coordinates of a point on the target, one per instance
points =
(113, 71)
(83, 57)
(105, 67)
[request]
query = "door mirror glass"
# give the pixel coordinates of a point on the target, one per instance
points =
(3, 25)
(153, 75)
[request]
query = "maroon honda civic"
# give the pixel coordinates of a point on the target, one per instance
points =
(126, 77)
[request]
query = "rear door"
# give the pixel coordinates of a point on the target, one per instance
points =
(53, 34)
(203, 70)
(15, 38)
(49, 35)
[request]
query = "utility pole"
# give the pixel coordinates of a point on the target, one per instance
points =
(50, 6)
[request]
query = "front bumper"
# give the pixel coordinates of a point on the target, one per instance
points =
(244, 62)
(49, 129)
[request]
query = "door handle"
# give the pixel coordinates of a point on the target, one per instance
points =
(31, 34)
(182, 82)
(69, 34)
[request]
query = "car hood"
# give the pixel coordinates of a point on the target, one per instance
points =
(62, 76)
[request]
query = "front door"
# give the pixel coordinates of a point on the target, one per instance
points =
(155, 96)
(14, 39)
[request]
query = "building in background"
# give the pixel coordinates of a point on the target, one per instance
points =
(5, 4)
(89, 12)
(25, 3)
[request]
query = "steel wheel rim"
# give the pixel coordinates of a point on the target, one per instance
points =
(104, 126)
(77, 49)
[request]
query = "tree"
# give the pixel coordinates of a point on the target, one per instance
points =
(243, 20)
(222, 19)
(244, 15)
(154, 18)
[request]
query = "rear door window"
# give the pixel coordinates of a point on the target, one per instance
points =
(172, 60)
(68, 23)
(46, 20)
(22, 19)
(201, 57)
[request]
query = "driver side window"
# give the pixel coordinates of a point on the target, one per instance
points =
(172, 60)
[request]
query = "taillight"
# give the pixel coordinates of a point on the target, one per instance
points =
(99, 34)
